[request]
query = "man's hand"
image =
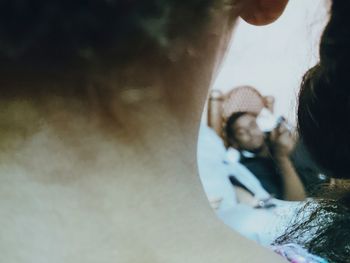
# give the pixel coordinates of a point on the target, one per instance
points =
(282, 140)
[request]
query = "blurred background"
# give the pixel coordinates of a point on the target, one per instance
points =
(273, 58)
(254, 168)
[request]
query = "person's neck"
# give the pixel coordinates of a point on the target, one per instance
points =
(139, 194)
(150, 133)
(264, 151)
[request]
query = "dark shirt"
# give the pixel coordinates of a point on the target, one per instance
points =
(266, 170)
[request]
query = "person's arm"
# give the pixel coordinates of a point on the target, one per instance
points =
(283, 144)
(293, 188)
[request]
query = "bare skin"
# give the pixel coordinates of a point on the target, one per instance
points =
(77, 187)
(284, 143)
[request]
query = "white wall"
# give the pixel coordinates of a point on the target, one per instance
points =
(273, 58)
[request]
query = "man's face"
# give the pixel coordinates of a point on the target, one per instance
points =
(247, 134)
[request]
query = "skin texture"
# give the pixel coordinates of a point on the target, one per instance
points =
(115, 180)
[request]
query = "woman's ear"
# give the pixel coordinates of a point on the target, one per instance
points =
(262, 12)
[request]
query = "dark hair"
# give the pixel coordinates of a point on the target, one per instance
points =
(323, 228)
(324, 100)
(323, 225)
(58, 31)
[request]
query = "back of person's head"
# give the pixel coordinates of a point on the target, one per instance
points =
(64, 32)
(323, 227)
(87, 50)
(324, 101)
